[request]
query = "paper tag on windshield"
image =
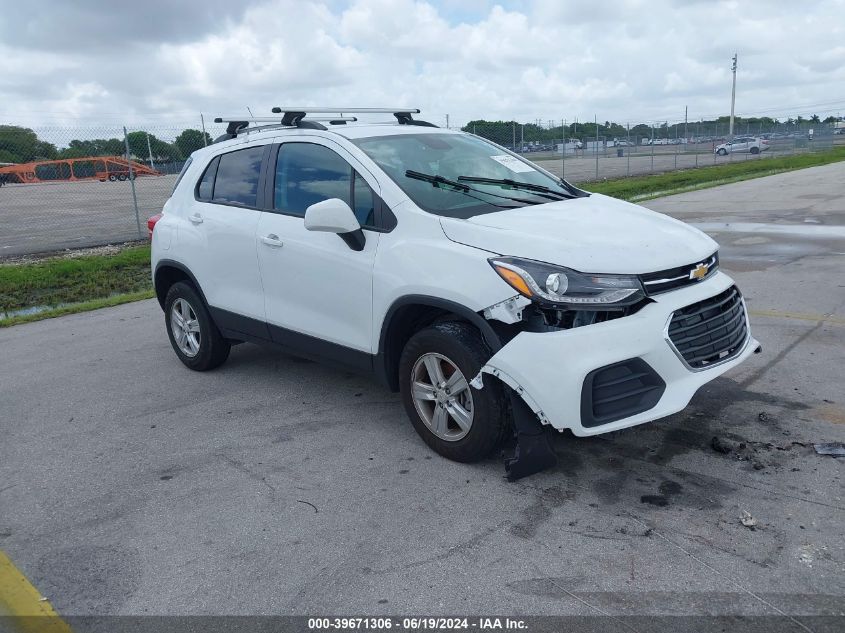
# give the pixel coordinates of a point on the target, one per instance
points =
(514, 164)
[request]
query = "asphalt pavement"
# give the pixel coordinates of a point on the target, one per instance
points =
(274, 485)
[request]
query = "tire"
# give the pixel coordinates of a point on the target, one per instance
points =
(755, 150)
(453, 345)
(200, 350)
(112, 177)
(121, 177)
(722, 152)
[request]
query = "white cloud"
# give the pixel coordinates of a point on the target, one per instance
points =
(626, 61)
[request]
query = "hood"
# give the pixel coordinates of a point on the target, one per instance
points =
(595, 234)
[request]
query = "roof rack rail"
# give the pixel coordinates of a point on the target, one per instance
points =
(293, 115)
(242, 126)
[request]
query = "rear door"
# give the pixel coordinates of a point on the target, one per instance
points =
(218, 238)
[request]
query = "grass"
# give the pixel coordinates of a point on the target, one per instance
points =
(638, 188)
(66, 285)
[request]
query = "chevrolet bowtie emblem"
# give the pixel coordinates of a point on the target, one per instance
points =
(699, 272)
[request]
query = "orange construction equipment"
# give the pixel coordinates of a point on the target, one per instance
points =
(94, 168)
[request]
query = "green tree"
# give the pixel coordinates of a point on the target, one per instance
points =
(20, 143)
(190, 141)
(161, 150)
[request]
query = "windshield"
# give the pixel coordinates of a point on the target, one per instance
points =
(448, 159)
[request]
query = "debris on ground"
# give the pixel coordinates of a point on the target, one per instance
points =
(720, 446)
(835, 449)
(748, 520)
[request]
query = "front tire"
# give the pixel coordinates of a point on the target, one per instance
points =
(722, 152)
(456, 420)
(192, 333)
(755, 150)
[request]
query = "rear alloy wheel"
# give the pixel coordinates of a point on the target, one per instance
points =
(121, 177)
(193, 335)
(456, 420)
(755, 150)
(112, 177)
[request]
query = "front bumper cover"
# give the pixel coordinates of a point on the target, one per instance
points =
(548, 369)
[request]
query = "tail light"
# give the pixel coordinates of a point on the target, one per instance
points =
(151, 223)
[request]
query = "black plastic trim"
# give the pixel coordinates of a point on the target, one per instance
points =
(354, 239)
(242, 328)
(170, 263)
(386, 352)
(644, 389)
(239, 327)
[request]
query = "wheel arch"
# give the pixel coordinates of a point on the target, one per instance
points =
(408, 315)
(168, 272)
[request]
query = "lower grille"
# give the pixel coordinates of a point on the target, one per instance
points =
(710, 331)
(618, 391)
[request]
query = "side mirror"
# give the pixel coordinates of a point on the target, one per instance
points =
(335, 216)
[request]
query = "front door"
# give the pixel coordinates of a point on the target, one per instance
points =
(314, 284)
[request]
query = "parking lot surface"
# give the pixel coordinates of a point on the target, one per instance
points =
(131, 485)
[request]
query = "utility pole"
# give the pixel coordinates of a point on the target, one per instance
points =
(150, 151)
(733, 99)
(686, 113)
(447, 121)
(204, 141)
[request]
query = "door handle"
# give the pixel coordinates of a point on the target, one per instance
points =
(272, 240)
(196, 218)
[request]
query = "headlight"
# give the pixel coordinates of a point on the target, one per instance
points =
(547, 283)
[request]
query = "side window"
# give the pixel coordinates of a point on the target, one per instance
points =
(237, 177)
(364, 202)
(205, 187)
(307, 174)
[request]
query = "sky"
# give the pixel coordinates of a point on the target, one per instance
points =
(89, 63)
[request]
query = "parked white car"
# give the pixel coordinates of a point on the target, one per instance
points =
(741, 144)
(493, 295)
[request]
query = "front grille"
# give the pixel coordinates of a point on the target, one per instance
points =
(619, 391)
(673, 278)
(710, 331)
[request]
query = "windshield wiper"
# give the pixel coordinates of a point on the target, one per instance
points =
(540, 190)
(437, 180)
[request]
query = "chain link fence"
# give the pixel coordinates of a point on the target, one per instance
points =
(78, 187)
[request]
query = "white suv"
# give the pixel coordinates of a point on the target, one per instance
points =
(493, 295)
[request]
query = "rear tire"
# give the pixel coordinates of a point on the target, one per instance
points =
(755, 150)
(192, 333)
(112, 177)
(722, 152)
(438, 413)
(121, 177)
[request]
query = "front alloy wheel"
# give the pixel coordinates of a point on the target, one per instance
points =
(442, 397)
(454, 418)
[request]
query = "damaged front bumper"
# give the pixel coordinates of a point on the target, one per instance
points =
(616, 374)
